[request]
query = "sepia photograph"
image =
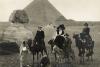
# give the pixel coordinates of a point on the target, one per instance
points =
(49, 33)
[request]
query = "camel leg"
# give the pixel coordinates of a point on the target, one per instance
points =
(92, 55)
(55, 56)
(45, 50)
(51, 48)
(37, 55)
(68, 59)
(88, 58)
(91, 58)
(80, 60)
(42, 52)
(33, 61)
(89, 51)
(87, 55)
(83, 59)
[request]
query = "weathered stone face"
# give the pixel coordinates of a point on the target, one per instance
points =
(19, 16)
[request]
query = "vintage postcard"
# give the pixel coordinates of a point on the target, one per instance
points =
(49, 33)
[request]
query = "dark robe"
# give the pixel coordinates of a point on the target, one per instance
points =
(40, 36)
(59, 41)
(86, 31)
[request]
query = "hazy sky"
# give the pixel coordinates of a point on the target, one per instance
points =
(88, 10)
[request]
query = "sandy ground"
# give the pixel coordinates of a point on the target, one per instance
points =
(9, 60)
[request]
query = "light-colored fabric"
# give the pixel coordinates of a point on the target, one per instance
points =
(57, 50)
(24, 49)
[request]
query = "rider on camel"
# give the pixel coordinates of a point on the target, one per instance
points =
(85, 35)
(86, 30)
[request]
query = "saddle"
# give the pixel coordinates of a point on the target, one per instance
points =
(87, 41)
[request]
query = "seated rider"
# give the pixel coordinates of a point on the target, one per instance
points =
(40, 35)
(59, 40)
(85, 35)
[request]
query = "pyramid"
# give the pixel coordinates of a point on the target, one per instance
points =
(42, 12)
